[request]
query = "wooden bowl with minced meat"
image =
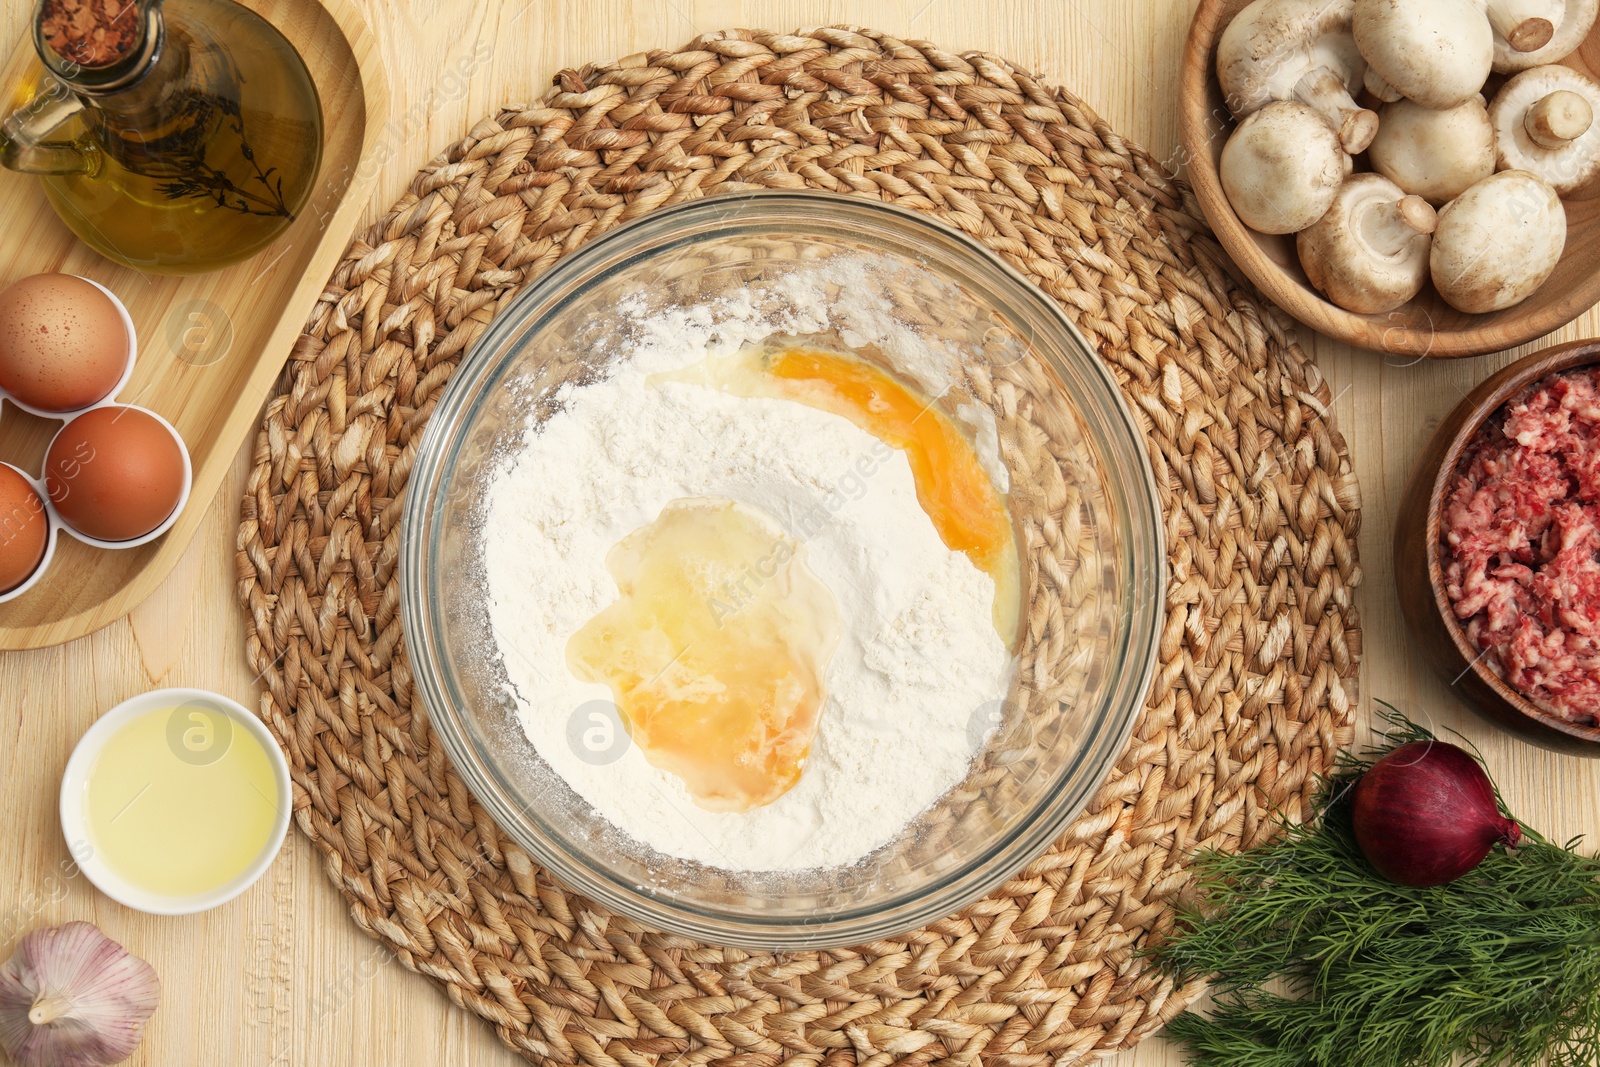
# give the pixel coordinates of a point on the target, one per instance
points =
(1461, 502)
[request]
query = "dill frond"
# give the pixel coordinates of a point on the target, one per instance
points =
(1500, 967)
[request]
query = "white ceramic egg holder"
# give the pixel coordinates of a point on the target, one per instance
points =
(58, 525)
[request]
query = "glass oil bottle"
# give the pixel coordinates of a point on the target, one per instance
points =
(176, 136)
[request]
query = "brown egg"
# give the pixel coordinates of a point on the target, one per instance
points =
(114, 473)
(63, 344)
(24, 529)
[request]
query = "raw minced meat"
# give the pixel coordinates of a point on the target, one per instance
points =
(1521, 532)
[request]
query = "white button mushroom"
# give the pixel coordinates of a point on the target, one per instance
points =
(1281, 168)
(1544, 124)
(1369, 253)
(1436, 52)
(1497, 242)
(1573, 20)
(1297, 50)
(1434, 154)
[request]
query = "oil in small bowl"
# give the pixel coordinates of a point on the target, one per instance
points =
(175, 801)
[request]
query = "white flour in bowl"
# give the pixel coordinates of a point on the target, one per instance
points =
(915, 676)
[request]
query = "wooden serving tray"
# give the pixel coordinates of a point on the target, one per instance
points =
(210, 345)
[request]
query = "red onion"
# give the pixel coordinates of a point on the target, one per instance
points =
(1425, 814)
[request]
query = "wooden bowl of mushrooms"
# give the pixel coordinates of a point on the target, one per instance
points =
(1418, 177)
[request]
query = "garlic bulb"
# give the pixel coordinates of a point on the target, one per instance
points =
(72, 997)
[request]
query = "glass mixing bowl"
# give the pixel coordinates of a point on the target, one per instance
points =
(1083, 504)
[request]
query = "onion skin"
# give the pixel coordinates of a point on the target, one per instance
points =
(1425, 814)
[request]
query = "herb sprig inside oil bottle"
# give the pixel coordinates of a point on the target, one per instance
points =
(191, 175)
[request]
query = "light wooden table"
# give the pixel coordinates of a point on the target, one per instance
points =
(280, 976)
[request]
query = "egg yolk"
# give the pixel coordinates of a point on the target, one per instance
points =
(715, 650)
(967, 510)
(718, 643)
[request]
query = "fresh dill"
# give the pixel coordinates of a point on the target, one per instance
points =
(1500, 967)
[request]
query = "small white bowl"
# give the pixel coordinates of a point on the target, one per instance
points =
(75, 820)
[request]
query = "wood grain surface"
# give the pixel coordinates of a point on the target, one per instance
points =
(280, 976)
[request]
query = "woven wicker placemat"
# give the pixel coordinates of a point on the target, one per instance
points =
(1257, 658)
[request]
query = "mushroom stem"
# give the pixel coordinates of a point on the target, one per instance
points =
(1380, 88)
(1557, 119)
(1523, 23)
(47, 1008)
(1389, 226)
(1324, 92)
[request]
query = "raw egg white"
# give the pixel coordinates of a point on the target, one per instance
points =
(115, 473)
(24, 529)
(63, 342)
